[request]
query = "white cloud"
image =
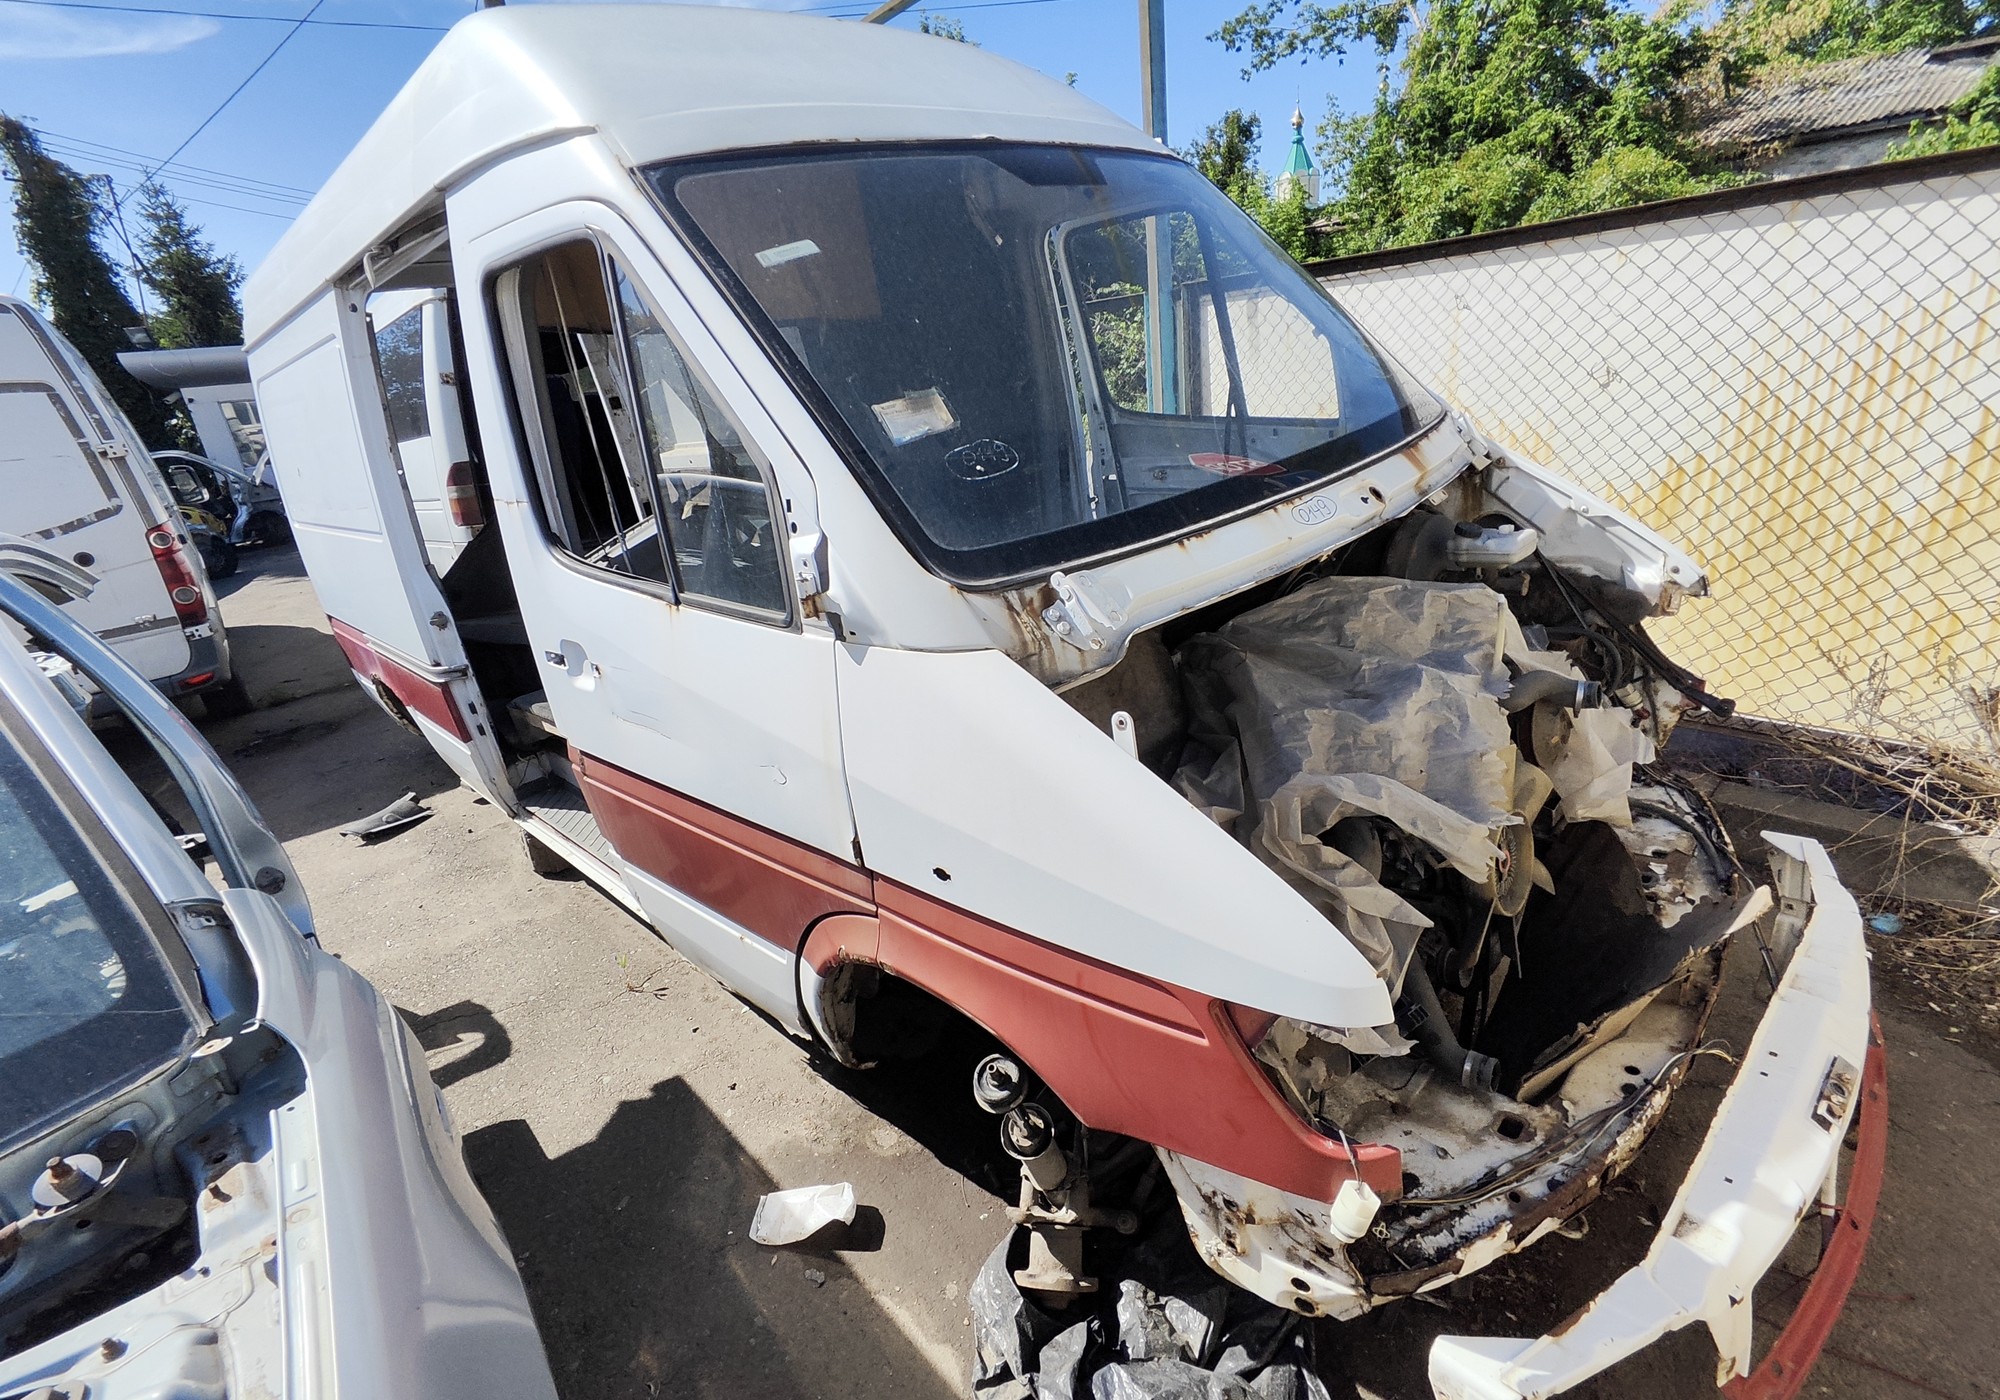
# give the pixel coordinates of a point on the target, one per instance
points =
(30, 32)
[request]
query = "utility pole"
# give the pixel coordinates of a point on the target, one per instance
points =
(1162, 358)
(1153, 68)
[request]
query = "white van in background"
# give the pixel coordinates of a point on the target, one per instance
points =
(76, 477)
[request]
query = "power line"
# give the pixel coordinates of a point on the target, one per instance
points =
(235, 92)
(217, 204)
(217, 14)
(179, 169)
(138, 167)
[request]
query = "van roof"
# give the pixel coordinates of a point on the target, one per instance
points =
(653, 82)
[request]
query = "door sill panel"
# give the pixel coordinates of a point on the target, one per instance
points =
(599, 869)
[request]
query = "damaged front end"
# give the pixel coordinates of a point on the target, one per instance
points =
(1444, 739)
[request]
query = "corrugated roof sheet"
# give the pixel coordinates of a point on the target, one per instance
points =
(1849, 92)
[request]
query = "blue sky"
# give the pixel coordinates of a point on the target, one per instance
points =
(116, 91)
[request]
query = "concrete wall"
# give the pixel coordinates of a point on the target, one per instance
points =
(1800, 382)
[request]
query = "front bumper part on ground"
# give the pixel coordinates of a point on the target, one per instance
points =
(1769, 1159)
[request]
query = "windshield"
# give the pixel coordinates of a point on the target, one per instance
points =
(87, 1002)
(1038, 355)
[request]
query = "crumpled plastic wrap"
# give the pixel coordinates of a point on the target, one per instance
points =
(1170, 1329)
(1589, 755)
(1379, 696)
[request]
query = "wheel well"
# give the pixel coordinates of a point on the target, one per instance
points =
(393, 705)
(864, 1013)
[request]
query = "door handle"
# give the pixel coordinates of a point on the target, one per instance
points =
(574, 661)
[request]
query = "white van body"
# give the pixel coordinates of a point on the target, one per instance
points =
(77, 478)
(723, 650)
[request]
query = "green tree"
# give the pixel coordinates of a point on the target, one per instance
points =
(57, 223)
(1505, 110)
(196, 285)
(1227, 155)
(1974, 120)
(1748, 36)
(1227, 152)
(943, 27)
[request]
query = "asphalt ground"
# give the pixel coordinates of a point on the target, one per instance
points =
(623, 1114)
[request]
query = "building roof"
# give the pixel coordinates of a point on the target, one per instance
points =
(1801, 105)
(653, 82)
(1298, 162)
(199, 368)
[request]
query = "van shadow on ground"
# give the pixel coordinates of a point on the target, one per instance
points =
(280, 663)
(310, 766)
(644, 1284)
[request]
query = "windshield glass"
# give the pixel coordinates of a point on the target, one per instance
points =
(87, 1002)
(1038, 355)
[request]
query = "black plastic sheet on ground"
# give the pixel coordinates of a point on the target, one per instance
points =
(1162, 1327)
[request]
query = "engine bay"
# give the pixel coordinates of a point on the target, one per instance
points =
(1447, 743)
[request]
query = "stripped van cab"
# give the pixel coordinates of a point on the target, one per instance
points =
(917, 543)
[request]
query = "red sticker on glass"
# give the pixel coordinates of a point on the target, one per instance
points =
(1225, 464)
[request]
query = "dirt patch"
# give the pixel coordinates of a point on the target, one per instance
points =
(1939, 961)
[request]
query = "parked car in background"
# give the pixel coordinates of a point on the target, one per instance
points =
(931, 548)
(224, 1168)
(229, 507)
(76, 476)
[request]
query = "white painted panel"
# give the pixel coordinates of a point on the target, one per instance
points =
(350, 516)
(330, 441)
(961, 761)
(732, 711)
(58, 486)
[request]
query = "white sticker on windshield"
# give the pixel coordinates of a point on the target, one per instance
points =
(915, 416)
(788, 252)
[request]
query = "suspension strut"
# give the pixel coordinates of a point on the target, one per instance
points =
(1055, 1204)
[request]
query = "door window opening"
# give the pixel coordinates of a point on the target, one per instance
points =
(723, 522)
(639, 469)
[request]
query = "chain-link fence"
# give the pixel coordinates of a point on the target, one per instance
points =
(1797, 382)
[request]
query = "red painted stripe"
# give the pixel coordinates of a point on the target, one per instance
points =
(1791, 1358)
(770, 884)
(419, 694)
(1126, 1053)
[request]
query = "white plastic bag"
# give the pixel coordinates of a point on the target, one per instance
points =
(786, 1217)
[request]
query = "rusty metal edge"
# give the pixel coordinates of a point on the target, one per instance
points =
(1881, 175)
(1788, 1363)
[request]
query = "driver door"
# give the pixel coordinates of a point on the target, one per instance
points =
(648, 536)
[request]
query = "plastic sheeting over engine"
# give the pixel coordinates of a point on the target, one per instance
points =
(1383, 697)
